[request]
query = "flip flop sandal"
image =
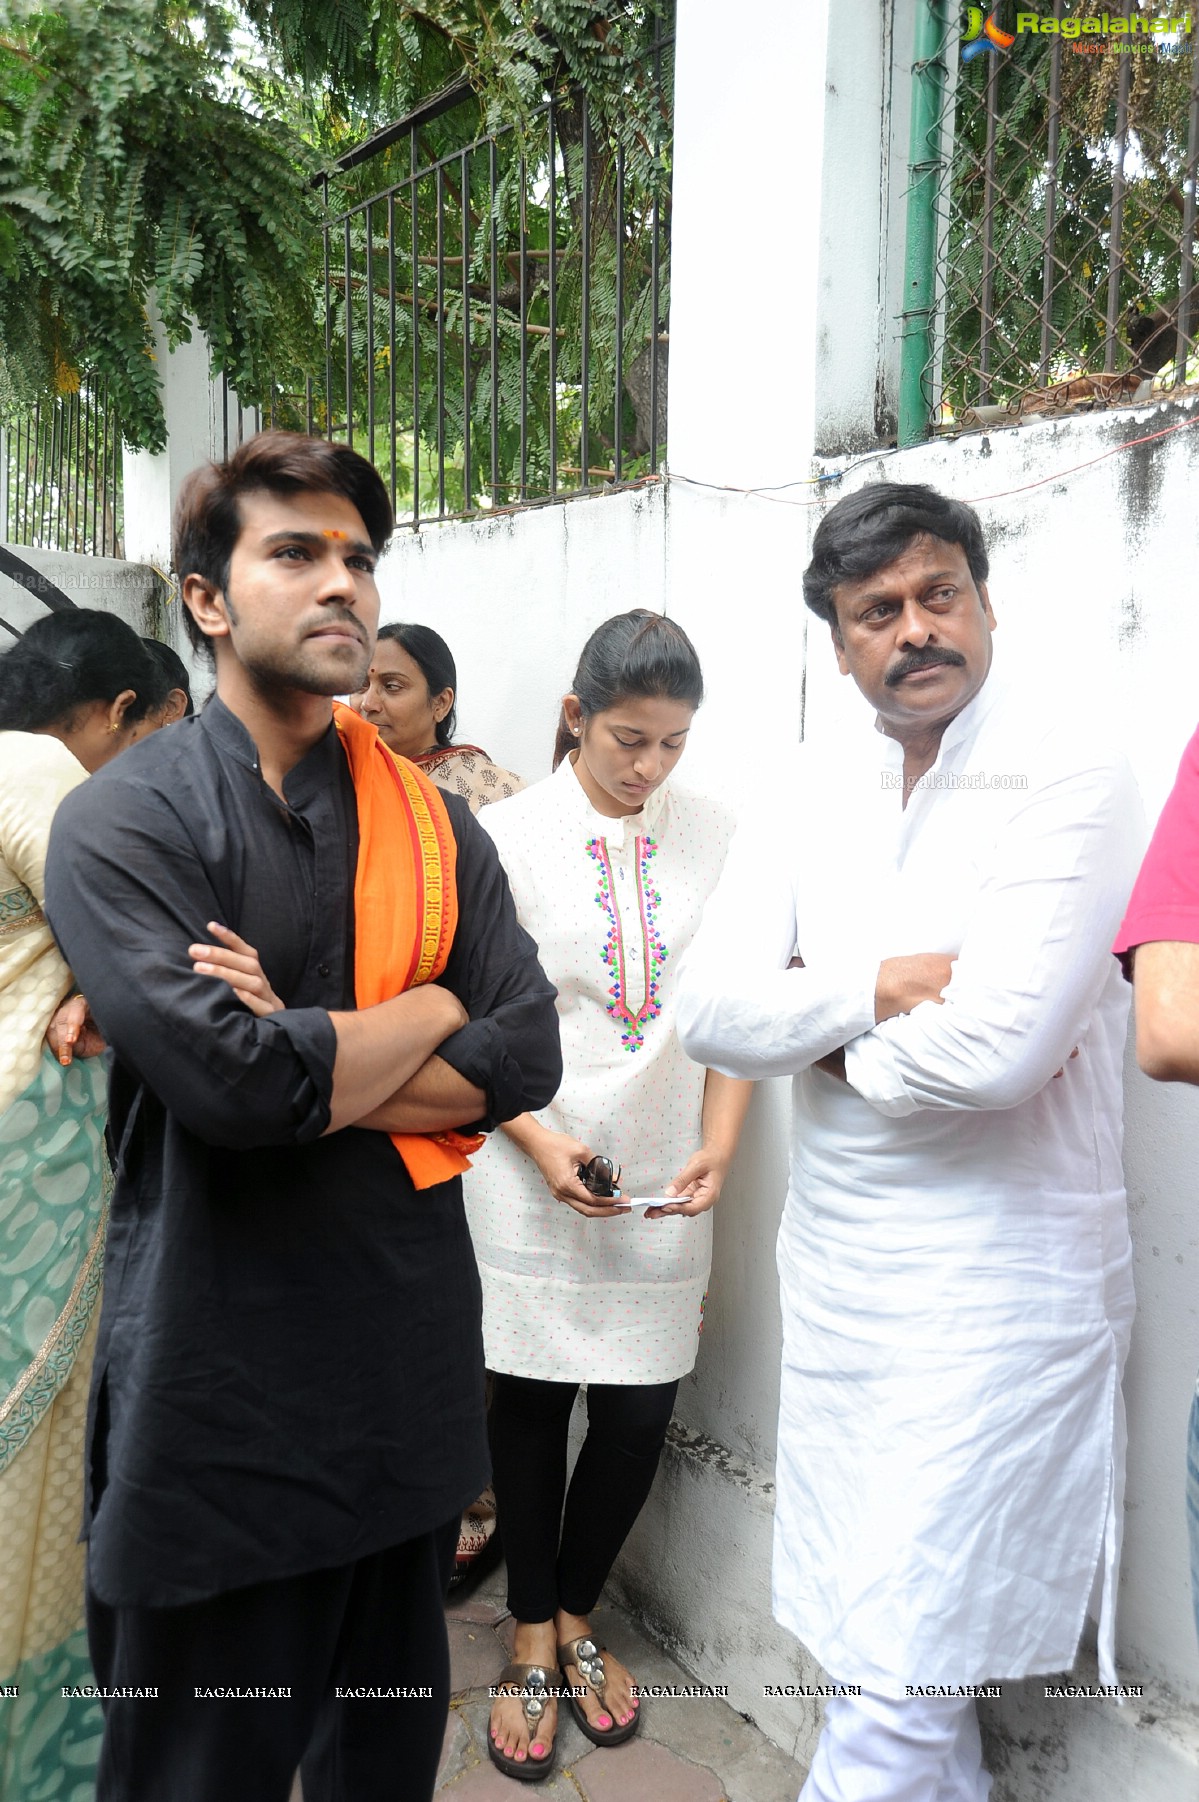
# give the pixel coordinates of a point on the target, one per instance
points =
(531, 1683)
(584, 1654)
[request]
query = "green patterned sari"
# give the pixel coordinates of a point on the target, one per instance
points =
(53, 1174)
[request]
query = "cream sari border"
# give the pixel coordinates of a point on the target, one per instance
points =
(40, 1382)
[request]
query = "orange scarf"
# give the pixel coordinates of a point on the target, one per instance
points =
(405, 905)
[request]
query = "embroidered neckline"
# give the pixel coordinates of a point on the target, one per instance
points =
(613, 955)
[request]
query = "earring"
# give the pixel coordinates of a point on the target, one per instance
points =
(115, 727)
(576, 730)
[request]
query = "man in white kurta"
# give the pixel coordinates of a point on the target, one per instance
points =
(953, 1256)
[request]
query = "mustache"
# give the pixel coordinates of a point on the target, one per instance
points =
(914, 660)
(344, 618)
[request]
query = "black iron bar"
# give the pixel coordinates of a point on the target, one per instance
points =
(655, 249)
(79, 525)
(618, 379)
(370, 334)
(439, 191)
(349, 325)
(94, 465)
(415, 241)
(987, 296)
(308, 416)
(553, 297)
(1115, 236)
(391, 342)
(26, 482)
(443, 101)
(467, 489)
(36, 510)
(11, 477)
(1048, 266)
(328, 321)
(493, 282)
(77, 426)
(585, 305)
(89, 491)
(1186, 243)
(108, 419)
(524, 330)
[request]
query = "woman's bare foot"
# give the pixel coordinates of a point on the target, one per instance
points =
(619, 1705)
(534, 1643)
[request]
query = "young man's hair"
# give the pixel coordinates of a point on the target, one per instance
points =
(869, 529)
(208, 519)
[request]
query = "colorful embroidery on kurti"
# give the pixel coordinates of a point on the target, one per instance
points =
(614, 954)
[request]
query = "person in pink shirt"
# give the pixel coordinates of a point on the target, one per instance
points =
(1159, 942)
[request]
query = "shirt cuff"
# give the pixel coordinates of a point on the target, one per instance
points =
(310, 1037)
(870, 1069)
(478, 1052)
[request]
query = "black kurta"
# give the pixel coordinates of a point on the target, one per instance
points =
(289, 1367)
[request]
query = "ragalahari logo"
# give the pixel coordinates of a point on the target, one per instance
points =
(983, 34)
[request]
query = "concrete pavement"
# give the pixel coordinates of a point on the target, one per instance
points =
(689, 1749)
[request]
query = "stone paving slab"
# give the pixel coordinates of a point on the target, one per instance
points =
(457, 1751)
(478, 1610)
(644, 1772)
(690, 1749)
(476, 1656)
(485, 1784)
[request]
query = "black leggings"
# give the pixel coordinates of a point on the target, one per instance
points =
(562, 1561)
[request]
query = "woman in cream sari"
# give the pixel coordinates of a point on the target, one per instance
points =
(78, 688)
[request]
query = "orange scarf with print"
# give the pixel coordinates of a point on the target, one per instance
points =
(405, 905)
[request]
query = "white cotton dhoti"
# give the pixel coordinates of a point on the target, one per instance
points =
(921, 1749)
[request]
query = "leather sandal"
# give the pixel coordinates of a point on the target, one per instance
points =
(531, 1683)
(586, 1657)
(479, 1546)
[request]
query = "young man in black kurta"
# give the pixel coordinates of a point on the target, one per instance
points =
(287, 1411)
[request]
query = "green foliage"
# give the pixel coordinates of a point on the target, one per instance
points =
(160, 155)
(132, 176)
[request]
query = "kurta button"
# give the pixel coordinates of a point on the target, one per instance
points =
(322, 969)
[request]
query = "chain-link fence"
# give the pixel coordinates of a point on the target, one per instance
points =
(1051, 211)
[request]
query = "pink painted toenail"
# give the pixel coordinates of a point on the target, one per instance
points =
(538, 1750)
(605, 1720)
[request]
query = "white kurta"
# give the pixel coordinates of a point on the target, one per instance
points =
(612, 904)
(954, 1256)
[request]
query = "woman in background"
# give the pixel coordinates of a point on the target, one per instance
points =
(610, 864)
(76, 690)
(410, 698)
(179, 704)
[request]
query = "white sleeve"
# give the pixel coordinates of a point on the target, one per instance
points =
(1034, 961)
(741, 1011)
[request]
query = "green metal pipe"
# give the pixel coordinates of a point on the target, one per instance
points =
(920, 248)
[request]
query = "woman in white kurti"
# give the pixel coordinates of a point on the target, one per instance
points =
(610, 865)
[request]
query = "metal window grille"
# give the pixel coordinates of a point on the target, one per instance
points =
(1051, 211)
(495, 316)
(60, 475)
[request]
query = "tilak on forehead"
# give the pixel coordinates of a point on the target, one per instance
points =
(333, 532)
